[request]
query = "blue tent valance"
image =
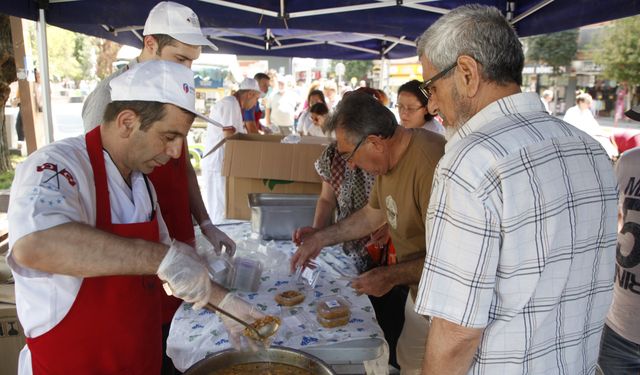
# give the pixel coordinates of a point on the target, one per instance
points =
(355, 29)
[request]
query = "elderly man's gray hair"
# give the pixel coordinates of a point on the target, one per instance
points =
(480, 32)
(359, 114)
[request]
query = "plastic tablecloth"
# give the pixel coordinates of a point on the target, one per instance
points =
(194, 335)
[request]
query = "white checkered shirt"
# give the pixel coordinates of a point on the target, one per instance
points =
(521, 240)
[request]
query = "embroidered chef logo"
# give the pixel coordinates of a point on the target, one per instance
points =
(52, 175)
(193, 19)
(187, 88)
(392, 211)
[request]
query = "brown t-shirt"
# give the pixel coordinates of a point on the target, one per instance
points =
(404, 193)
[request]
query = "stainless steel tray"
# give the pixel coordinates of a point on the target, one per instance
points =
(275, 354)
(276, 216)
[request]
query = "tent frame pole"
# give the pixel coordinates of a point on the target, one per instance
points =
(392, 46)
(356, 48)
(222, 39)
(43, 53)
(402, 40)
(427, 8)
(246, 8)
(532, 10)
(295, 45)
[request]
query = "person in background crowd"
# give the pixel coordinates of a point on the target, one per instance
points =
(281, 107)
(621, 99)
(412, 108)
(521, 230)
(37, 89)
(171, 33)
(15, 102)
(88, 247)
(252, 116)
(619, 350)
(305, 123)
(319, 113)
(547, 98)
(403, 161)
(330, 90)
(581, 117)
(228, 113)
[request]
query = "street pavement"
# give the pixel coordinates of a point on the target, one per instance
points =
(67, 119)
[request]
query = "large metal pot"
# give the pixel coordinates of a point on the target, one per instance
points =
(274, 354)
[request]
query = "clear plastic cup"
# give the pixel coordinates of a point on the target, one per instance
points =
(245, 274)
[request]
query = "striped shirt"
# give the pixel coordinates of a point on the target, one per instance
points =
(521, 239)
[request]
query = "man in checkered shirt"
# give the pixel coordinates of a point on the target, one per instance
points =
(521, 224)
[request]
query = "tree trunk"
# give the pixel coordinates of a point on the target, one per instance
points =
(7, 75)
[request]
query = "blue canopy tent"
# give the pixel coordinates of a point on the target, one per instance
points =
(352, 29)
(360, 29)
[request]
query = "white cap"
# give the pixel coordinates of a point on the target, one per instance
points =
(158, 81)
(177, 21)
(249, 84)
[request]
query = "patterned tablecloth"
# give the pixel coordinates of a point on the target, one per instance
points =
(197, 334)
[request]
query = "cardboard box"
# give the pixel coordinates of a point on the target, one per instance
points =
(261, 164)
(11, 334)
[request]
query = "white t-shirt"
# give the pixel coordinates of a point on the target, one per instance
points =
(43, 199)
(227, 112)
(434, 126)
(283, 108)
(585, 121)
(304, 122)
(622, 316)
(316, 131)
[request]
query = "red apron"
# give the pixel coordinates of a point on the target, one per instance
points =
(113, 326)
(172, 188)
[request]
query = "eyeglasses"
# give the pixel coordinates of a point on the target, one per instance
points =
(402, 108)
(349, 156)
(425, 87)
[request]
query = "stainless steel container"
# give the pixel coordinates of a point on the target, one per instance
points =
(276, 216)
(274, 354)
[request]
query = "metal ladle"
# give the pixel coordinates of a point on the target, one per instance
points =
(265, 331)
(262, 333)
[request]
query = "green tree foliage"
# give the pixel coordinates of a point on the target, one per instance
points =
(556, 49)
(354, 68)
(83, 53)
(61, 45)
(619, 50)
(358, 68)
(107, 53)
(71, 55)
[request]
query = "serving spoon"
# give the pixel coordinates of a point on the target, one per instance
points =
(262, 333)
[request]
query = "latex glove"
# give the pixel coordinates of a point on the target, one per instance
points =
(309, 249)
(301, 233)
(243, 310)
(186, 273)
(218, 238)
